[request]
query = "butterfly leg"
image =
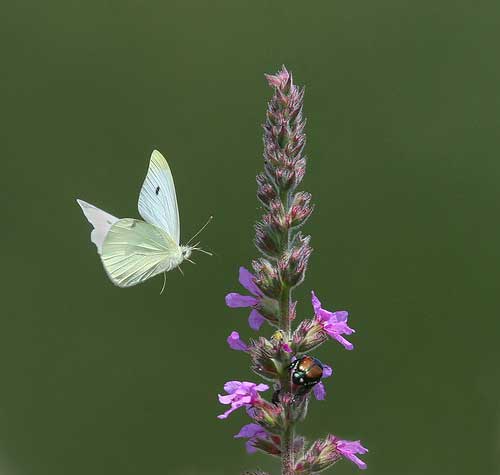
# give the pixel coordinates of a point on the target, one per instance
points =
(164, 282)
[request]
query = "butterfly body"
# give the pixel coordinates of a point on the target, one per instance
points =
(133, 250)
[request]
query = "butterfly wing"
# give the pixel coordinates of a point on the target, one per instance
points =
(157, 200)
(134, 251)
(101, 221)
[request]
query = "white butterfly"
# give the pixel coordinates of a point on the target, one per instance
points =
(132, 250)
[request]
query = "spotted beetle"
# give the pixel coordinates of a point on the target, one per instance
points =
(306, 371)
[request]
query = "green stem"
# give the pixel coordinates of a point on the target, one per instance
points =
(288, 434)
(287, 462)
(287, 437)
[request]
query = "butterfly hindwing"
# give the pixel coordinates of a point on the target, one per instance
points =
(134, 251)
(157, 200)
(100, 220)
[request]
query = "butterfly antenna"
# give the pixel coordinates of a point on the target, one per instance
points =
(181, 271)
(201, 229)
(164, 282)
(202, 250)
(189, 260)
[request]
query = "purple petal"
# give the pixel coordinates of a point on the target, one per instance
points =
(286, 348)
(247, 386)
(349, 449)
(340, 326)
(235, 300)
(255, 320)
(333, 332)
(250, 430)
(334, 318)
(340, 316)
(224, 416)
(250, 447)
(231, 386)
(319, 391)
(327, 371)
(362, 465)
(315, 302)
(236, 343)
(346, 344)
(242, 401)
(261, 387)
(226, 398)
(325, 316)
(246, 280)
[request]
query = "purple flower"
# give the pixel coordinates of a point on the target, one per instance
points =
(334, 323)
(349, 450)
(319, 390)
(251, 432)
(236, 343)
(240, 394)
(286, 347)
(235, 300)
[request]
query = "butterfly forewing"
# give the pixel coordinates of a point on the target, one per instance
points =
(157, 200)
(134, 251)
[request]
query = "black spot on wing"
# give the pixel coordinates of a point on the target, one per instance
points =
(157, 190)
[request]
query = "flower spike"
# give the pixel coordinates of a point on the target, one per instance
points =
(283, 357)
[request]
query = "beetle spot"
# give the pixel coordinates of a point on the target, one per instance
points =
(157, 190)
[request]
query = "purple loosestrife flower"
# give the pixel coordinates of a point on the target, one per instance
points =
(349, 450)
(323, 453)
(259, 439)
(235, 300)
(319, 390)
(284, 357)
(334, 323)
(240, 394)
(251, 432)
(236, 343)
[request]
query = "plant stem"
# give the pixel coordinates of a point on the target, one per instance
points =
(287, 462)
(287, 438)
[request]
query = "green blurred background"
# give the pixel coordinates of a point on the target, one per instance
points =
(403, 118)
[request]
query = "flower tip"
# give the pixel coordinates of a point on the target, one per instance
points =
(315, 302)
(279, 79)
(327, 371)
(235, 342)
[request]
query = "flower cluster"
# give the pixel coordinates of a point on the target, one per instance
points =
(283, 359)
